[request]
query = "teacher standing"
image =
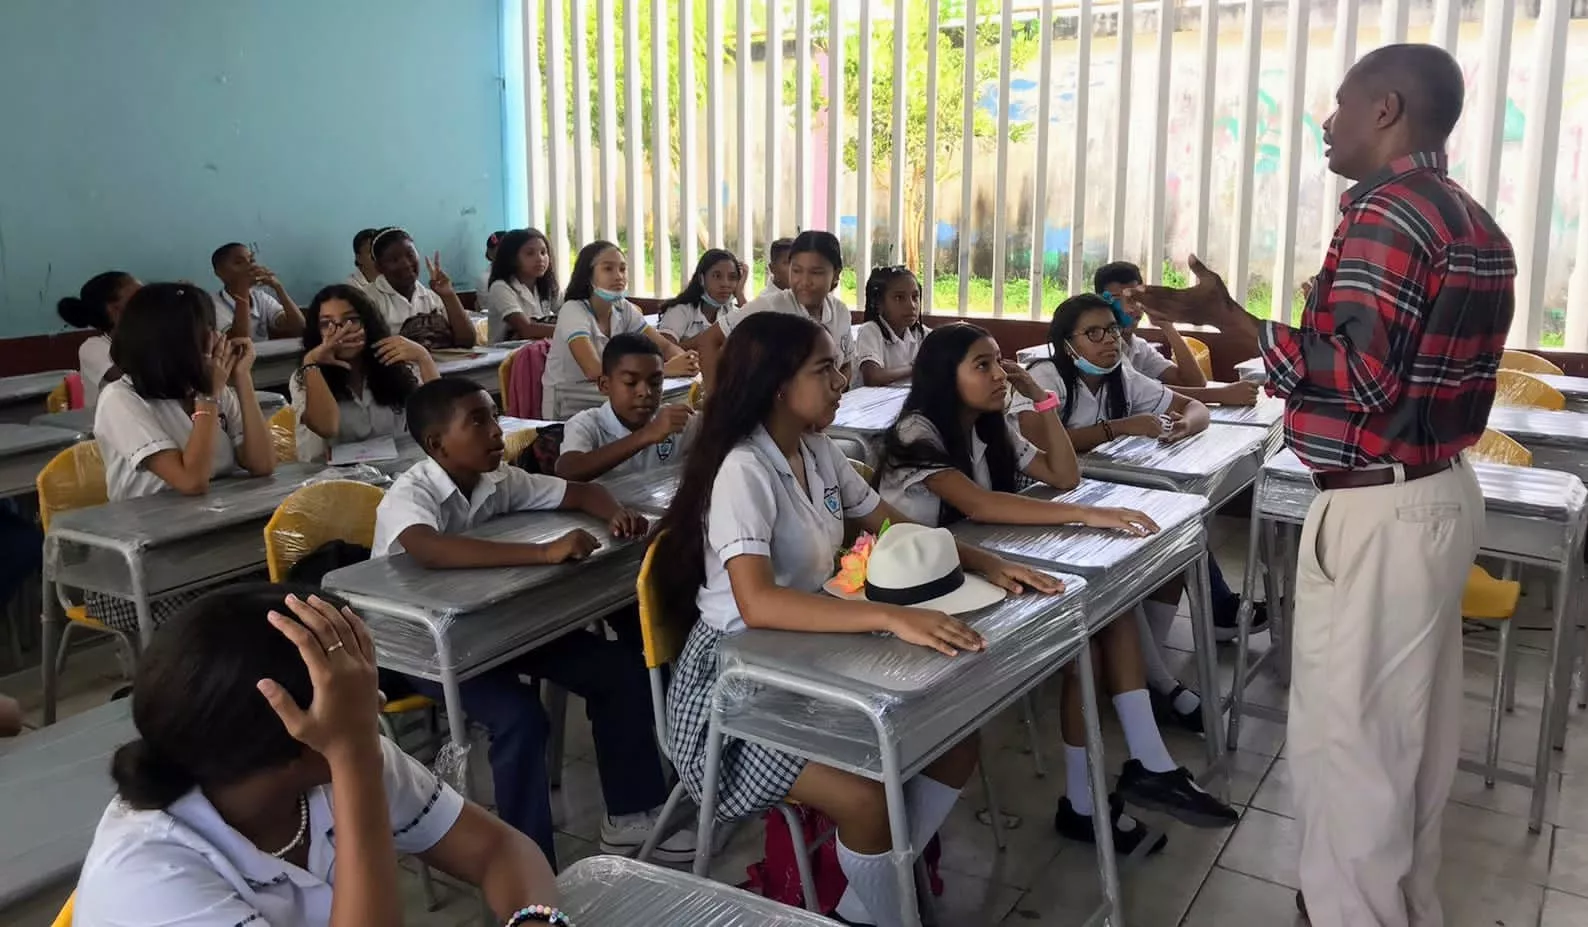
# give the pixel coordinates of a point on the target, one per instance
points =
(1387, 379)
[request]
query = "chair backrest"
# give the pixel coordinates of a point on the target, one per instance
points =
(515, 444)
(1515, 388)
(64, 919)
(504, 377)
(482, 331)
(1527, 363)
(1200, 351)
(315, 515)
(1499, 447)
(862, 468)
(284, 434)
(529, 366)
(59, 400)
(695, 395)
(663, 641)
(73, 479)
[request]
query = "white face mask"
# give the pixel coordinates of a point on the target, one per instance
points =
(1087, 367)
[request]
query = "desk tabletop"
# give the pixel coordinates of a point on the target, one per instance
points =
(29, 386)
(618, 890)
(16, 439)
(649, 491)
(278, 347)
(451, 362)
(1197, 457)
(1254, 370)
(1536, 426)
(1266, 413)
(1570, 387)
(869, 410)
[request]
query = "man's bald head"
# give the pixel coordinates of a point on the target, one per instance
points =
(1396, 100)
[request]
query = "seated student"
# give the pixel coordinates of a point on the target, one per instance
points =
(886, 342)
(815, 263)
(256, 742)
(251, 302)
(595, 307)
(751, 538)
(777, 255)
(464, 483)
(183, 412)
(1101, 397)
(356, 376)
(717, 286)
(629, 433)
(953, 454)
(98, 305)
(493, 244)
(430, 315)
(521, 299)
(364, 270)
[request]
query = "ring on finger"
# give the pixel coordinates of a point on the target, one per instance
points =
(334, 648)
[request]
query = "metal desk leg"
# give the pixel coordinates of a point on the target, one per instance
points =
(140, 598)
(903, 852)
(1197, 585)
(1106, 867)
(457, 722)
(1243, 622)
(708, 790)
(50, 622)
(1560, 661)
(1287, 547)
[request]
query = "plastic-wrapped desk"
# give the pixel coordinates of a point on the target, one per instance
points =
(650, 493)
(1268, 414)
(22, 396)
(617, 890)
(1218, 463)
(275, 361)
(1028, 356)
(864, 416)
(81, 421)
(1253, 370)
(1575, 389)
(1558, 440)
(479, 365)
(877, 707)
(1533, 517)
(576, 397)
(24, 450)
(450, 625)
(57, 783)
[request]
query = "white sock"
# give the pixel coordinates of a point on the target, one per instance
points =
(1077, 779)
(873, 893)
(1187, 702)
(1152, 657)
(928, 803)
(1141, 731)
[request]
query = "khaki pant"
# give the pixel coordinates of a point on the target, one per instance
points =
(1375, 700)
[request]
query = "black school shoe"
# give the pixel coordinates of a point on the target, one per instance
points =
(1163, 709)
(1080, 827)
(1225, 627)
(1174, 793)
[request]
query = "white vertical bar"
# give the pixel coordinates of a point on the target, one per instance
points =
(968, 150)
(583, 163)
(1000, 212)
(556, 136)
(534, 128)
(741, 197)
(1447, 25)
(1346, 18)
(606, 69)
(661, 150)
(714, 161)
(1498, 16)
(774, 118)
(1540, 151)
(1158, 171)
(802, 114)
(1241, 233)
(1290, 146)
(896, 219)
(864, 126)
(633, 141)
(1116, 226)
(1577, 288)
(1076, 280)
(688, 204)
(929, 193)
(1039, 211)
(1207, 105)
(835, 114)
(1393, 16)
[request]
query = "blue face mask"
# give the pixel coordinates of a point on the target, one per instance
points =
(611, 296)
(1090, 369)
(706, 298)
(1120, 316)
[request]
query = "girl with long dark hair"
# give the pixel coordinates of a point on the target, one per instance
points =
(717, 286)
(522, 296)
(887, 341)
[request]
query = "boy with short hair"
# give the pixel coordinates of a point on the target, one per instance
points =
(777, 257)
(251, 302)
(364, 269)
(463, 483)
(631, 432)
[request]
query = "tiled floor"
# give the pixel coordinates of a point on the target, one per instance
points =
(1495, 873)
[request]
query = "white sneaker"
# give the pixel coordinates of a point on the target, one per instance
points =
(624, 834)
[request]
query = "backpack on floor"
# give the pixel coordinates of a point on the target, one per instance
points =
(778, 877)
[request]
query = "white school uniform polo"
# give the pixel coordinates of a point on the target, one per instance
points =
(1143, 396)
(186, 866)
(1144, 356)
(359, 418)
(601, 426)
(886, 349)
(507, 298)
(771, 289)
(130, 429)
(397, 308)
(426, 495)
(264, 312)
(577, 320)
(835, 318)
(687, 320)
(93, 362)
(757, 508)
(905, 488)
(357, 279)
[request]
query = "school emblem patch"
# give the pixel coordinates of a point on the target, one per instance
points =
(831, 501)
(664, 450)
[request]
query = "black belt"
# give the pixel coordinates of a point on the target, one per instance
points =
(1378, 476)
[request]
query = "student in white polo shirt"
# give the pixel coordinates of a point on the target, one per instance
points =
(521, 296)
(632, 432)
(364, 272)
(887, 341)
(776, 266)
(430, 315)
(251, 302)
(97, 306)
(716, 287)
(259, 792)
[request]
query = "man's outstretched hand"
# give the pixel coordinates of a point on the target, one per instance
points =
(1205, 302)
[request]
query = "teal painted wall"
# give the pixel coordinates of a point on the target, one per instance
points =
(141, 134)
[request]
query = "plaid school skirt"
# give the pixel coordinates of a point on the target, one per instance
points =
(122, 614)
(751, 778)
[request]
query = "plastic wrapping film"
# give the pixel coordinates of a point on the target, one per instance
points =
(473, 363)
(1575, 389)
(615, 891)
(1119, 568)
(1029, 356)
(1517, 388)
(1204, 463)
(923, 697)
(431, 622)
(24, 451)
(1254, 370)
(28, 387)
(321, 511)
(650, 491)
(1268, 412)
(869, 410)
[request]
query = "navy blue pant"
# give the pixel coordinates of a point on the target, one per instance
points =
(1226, 602)
(611, 678)
(21, 550)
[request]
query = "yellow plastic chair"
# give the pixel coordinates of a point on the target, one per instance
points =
(1499, 447)
(515, 444)
(482, 331)
(1527, 363)
(1493, 602)
(284, 434)
(696, 395)
(58, 400)
(504, 375)
(863, 468)
(1204, 357)
(64, 919)
(1515, 388)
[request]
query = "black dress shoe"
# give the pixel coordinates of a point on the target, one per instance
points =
(1226, 628)
(1163, 708)
(1176, 794)
(1127, 836)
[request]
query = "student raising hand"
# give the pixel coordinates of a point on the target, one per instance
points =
(439, 281)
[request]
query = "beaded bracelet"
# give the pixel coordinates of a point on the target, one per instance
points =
(541, 914)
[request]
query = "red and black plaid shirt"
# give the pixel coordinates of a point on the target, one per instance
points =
(1395, 357)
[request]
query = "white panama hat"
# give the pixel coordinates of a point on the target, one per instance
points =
(918, 567)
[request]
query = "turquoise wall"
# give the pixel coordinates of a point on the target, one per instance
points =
(141, 134)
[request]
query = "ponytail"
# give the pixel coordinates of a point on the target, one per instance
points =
(90, 308)
(145, 780)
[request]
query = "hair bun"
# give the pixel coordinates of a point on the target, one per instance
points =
(146, 780)
(73, 312)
